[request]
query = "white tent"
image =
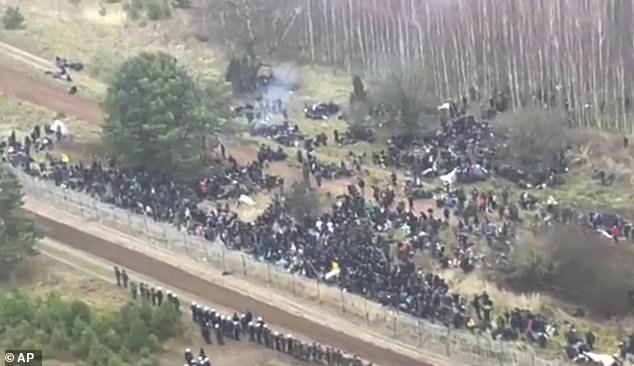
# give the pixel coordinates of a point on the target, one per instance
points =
(451, 177)
(59, 125)
(246, 200)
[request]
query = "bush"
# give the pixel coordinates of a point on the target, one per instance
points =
(410, 98)
(577, 265)
(87, 341)
(15, 308)
(529, 264)
(112, 340)
(358, 94)
(12, 18)
(98, 354)
(115, 360)
(63, 325)
(77, 329)
(535, 136)
(154, 10)
(165, 322)
(79, 309)
(153, 343)
(137, 336)
(301, 201)
(148, 361)
(60, 338)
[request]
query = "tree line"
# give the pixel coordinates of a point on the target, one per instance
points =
(131, 335)
(538, 52)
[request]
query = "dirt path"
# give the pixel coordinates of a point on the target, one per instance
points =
(43, 93)
(178, 278)
(29, 88)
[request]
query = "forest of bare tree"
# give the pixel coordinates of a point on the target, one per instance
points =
(575, 53)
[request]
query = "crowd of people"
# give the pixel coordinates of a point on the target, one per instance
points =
(353, 236)
(217, 327)
(462, 150)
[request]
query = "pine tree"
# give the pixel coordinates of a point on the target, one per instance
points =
(157, 117)
(18, 234)
(358, 90)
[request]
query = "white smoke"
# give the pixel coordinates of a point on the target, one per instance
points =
(285, 80)
(287, 75)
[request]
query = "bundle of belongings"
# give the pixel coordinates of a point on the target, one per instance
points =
(580, 350)
(285, 133)
(267, 153)
(353, 135)
(321, 111)
(416, 190)
(64, 67)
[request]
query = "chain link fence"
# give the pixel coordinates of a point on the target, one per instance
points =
(459, 345)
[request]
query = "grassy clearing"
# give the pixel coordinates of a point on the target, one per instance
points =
(22, 116)
(39, 276)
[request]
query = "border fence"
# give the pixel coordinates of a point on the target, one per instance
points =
(458, 345)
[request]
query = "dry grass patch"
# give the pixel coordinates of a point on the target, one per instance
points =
(23, 116)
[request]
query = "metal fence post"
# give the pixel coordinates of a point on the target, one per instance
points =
(366, 313)
(244, 265)
(448, 345)
(420, 333)
(224, 264)
(501, 354)
(293, 284)
(147, 235)
(268, 273)
(394, 322)
(343, 302)
(96, 208)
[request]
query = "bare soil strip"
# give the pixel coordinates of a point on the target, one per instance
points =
(178, 278)
(29, 88)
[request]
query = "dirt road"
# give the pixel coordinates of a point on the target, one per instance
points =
(40, 92)
(178, 278)
(44, 93)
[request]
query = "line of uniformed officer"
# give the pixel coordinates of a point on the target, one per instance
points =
(152, 295)
(236, 326)
(242, 326)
